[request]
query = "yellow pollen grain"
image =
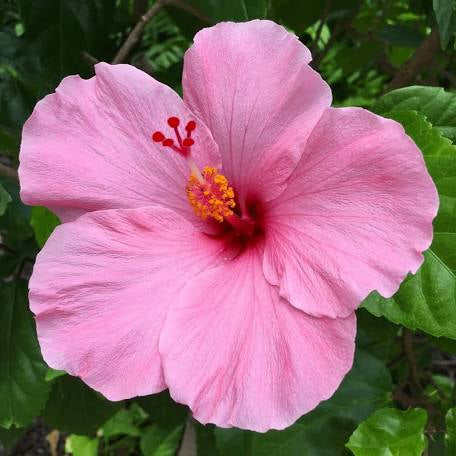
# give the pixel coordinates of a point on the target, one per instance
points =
(212, 197)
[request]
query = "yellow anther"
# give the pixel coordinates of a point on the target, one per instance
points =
(211, 197)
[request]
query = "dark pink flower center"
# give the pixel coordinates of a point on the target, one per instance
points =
(208, 191)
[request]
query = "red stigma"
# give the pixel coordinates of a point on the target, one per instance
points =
(158, 136)
(183, 145)
(190, 126)
(173, 122)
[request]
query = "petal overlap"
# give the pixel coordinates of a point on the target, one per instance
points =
(252, 86)
(101, 288)
(239, 355)
(348, 222)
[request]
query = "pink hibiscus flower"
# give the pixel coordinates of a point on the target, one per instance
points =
(218, 246)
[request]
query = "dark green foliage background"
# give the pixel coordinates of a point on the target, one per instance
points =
(400, 397)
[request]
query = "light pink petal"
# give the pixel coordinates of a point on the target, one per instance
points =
(355, 217)
(239, 355)
(88, 146)
(101, 288)
(252, 85)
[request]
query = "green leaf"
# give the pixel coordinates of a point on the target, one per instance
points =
(440, 390)
(80, 445)
(72, 26)
(206, 444)
(360, 56)
(15, 222)
(427, 301)
(8, 143)
(162, 409)
(163, 437)
(23, 388)
(375, 335)
(43, 222)
(437, 105)
(450, 436)
(390, 432)
(445, 14)
(52, 374)
(123, 422)
(75, 408)
(5, 198)
(13, 260)
(162, 53)
(366, 388)
(324, 436)
(159, 440)
(233, 442)
(444, 344)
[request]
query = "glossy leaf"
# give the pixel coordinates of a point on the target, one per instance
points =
(23, 388)
(390, 432)
(434, 103)
(427, 300)
(80, 445)
(125, 422)
(52, 374)
(159, 440)
(75, 408)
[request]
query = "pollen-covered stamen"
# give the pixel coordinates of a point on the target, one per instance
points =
(183, 145)
(211, 196)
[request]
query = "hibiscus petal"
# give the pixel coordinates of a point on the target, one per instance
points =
(239, 355)
(88, 146)
(101, 288)
(355, 217)
(252, 85)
